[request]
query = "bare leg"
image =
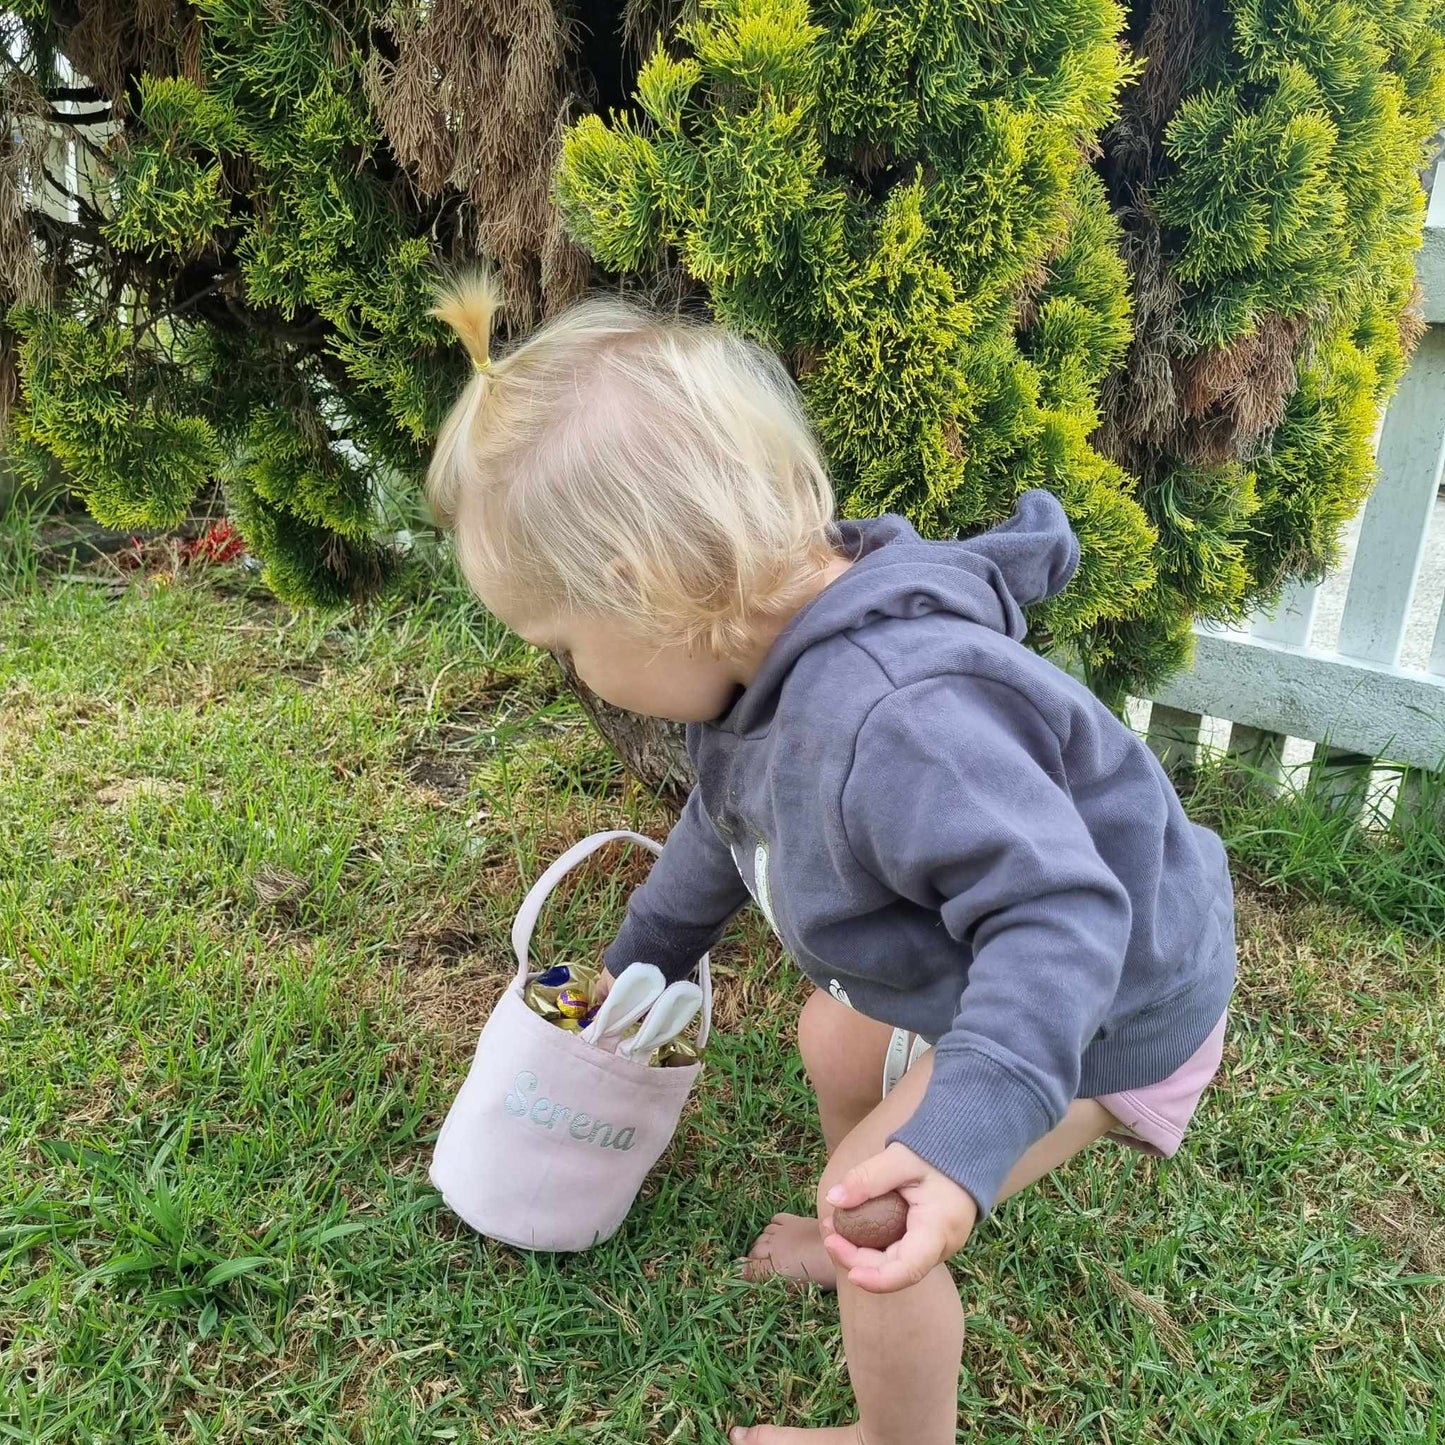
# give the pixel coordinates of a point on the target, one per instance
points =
(904, 1349)
(843, 1054)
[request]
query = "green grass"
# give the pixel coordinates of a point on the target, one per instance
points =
(255, 876)
(1388, 865)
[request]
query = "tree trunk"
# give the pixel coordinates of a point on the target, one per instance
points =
(653, 751)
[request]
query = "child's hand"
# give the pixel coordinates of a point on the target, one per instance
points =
(941, 1216)
(601, 987)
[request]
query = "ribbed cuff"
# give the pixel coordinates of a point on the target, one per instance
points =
(637, 944)
(975, 1122)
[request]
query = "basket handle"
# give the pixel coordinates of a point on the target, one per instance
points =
(543, 888)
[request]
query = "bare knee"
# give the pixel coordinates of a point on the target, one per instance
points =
(824, 1027)
(835, 1173)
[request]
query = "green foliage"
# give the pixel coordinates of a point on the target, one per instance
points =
(1081, 316)
(1253, 202)
(258, 316)
(618, 193)
(1320, 467)
(875, 190)
(1287, 197)
(998, 248)
(1292, 184)
(138, 465)
(169, 190)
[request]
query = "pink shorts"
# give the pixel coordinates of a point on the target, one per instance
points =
(1152, 1119)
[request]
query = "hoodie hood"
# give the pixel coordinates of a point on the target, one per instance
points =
(987, 579)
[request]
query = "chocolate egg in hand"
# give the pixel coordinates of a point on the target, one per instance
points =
(876, 1224)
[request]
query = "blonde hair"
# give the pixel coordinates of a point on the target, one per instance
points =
(620, 464)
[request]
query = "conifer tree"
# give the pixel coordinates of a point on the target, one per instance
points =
(1266, 170)
(924, 207)
(242, 295)
(1157, 258)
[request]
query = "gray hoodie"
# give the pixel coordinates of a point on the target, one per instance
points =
(952, 835)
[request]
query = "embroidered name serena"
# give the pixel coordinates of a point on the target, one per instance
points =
(546, 1115)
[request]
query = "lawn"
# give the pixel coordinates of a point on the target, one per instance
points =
(256, 871)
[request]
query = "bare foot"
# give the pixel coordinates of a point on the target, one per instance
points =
(777, 1435)
(792, 1246)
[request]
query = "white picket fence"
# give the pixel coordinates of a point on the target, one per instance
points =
(1278, 680)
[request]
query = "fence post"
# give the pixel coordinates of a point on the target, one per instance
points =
(1437, 652)
(1174, 737)
(1397, 516)
(1420, 802)
(1421, 799)
(1258, 751)
(1392, 540)
(1255, 753)
(1422, 793)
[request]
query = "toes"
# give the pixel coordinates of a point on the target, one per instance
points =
(759, 1261)
(762, 1249)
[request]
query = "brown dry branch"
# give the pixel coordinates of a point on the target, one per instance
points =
(1169, 402)
(110, 43)
(1233, 396)
(21, 279)
(1412, 325)
(1140, 400)
(474, 99)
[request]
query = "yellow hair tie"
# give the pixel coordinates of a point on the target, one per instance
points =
(482, 367)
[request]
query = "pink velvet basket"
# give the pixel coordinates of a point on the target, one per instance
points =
(550, 1138)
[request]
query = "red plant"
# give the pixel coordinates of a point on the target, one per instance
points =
(220, 542)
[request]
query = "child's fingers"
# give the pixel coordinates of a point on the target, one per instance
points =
(847, 1255)
(894, 1168)
(901, 1266)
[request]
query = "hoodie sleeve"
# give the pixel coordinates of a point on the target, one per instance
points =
(693, 891)
(956, 801)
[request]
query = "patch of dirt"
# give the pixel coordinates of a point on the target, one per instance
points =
(129, 790)
(439, 779)
(453, 1005)
(1282, 939)
(455, 972)
(1409, 1227)
(17, 727)
(446, 943)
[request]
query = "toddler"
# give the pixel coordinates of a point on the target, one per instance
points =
(1018, 943)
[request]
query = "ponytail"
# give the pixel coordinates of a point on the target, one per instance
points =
(469, 305)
